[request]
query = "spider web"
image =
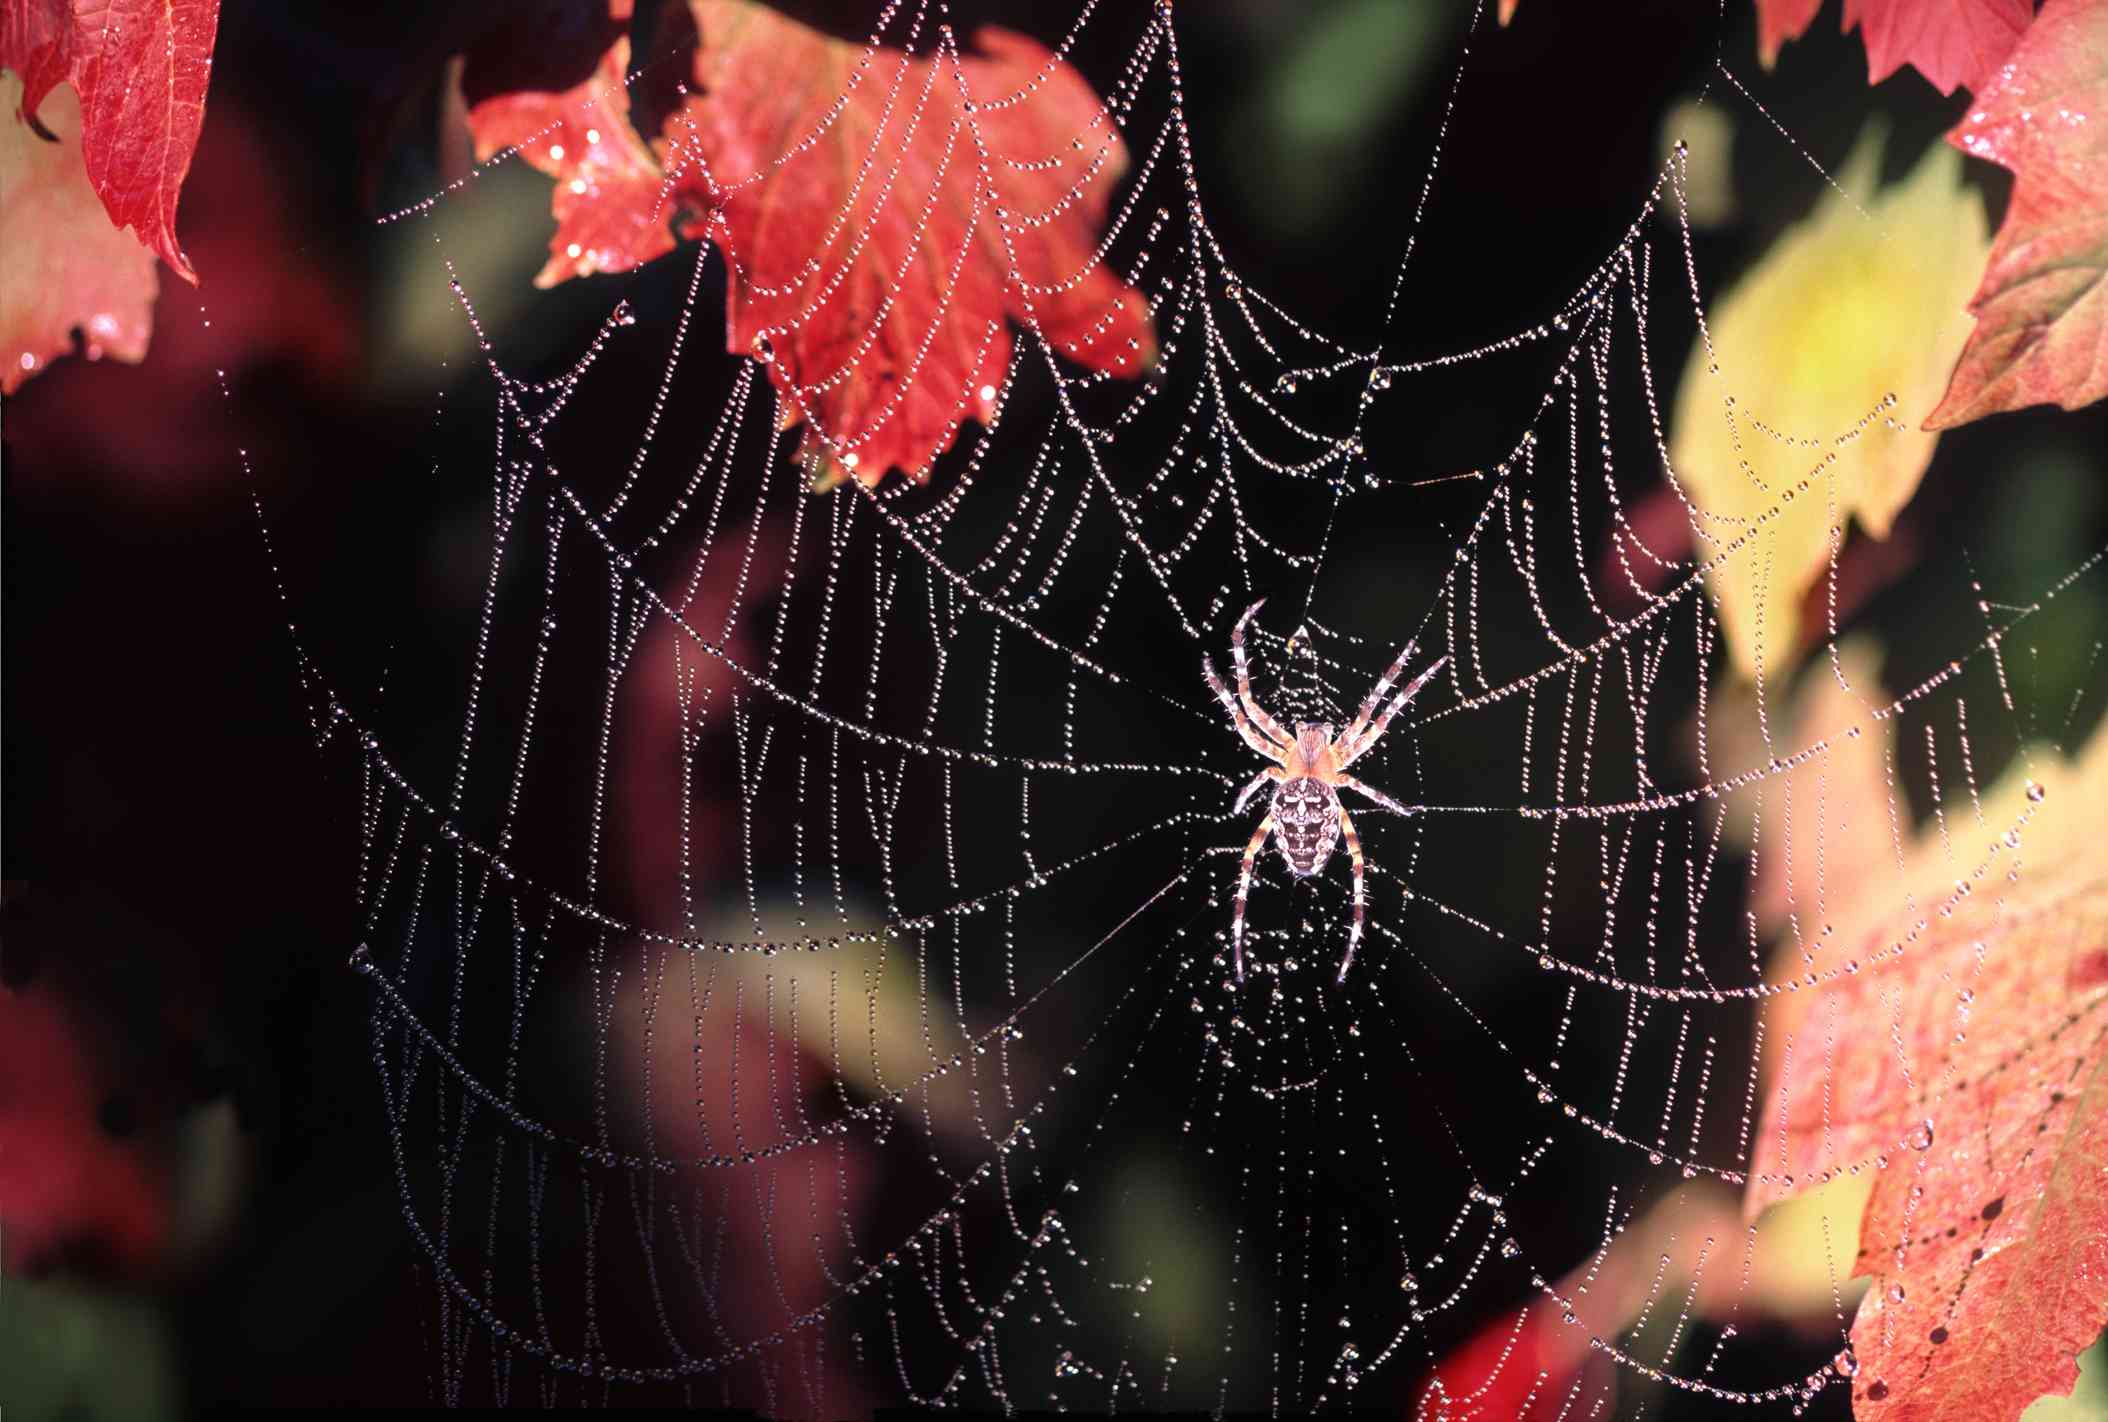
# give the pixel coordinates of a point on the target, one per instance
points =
(798, 960)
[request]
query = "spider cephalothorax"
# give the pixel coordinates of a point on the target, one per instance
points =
(1305, 816)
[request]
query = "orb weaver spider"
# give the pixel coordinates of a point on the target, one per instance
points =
(1305, 816)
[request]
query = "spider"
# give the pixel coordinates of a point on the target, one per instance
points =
(1305, 816)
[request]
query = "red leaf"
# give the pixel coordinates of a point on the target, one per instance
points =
(1966, 1065)
(882, 237)
(140, 67)
(1951, 42)
(612, 203)
(890, 326)
(2041, 332)
(1989, 1285)
(1954, 43)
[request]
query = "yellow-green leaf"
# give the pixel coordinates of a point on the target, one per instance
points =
(1805, 413)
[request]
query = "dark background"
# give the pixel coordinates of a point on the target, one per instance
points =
(177, 852)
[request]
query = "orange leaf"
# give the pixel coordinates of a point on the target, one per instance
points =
(2041, 332)
(140, 67)
(1965, 1065)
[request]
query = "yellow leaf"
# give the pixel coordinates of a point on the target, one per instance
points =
(1801, 1254)
(1825, 360)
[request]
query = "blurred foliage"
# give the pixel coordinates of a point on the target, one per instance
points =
(2050, 516)
(77, 1354)
(1150, 1215)
(1340, 71)
(68, 269)
(494, 239)
(1804, 1249)
(1707, 133)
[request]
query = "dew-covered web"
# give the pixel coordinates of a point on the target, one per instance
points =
(799, 957)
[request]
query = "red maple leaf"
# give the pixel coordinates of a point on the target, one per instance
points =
(887, 217)
(613, 204)
(2041, 332)
(1965, 1064)
(1953, 43)
(140, 67)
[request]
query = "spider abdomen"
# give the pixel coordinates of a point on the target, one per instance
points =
(1306, 824)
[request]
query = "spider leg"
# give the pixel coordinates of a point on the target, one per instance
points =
(1376, 695)
(1244, 886)
(1252, 708)
(1357, 747)
(1361, 906)
(1245, 728)
(1348, 782)
(1272, 773)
